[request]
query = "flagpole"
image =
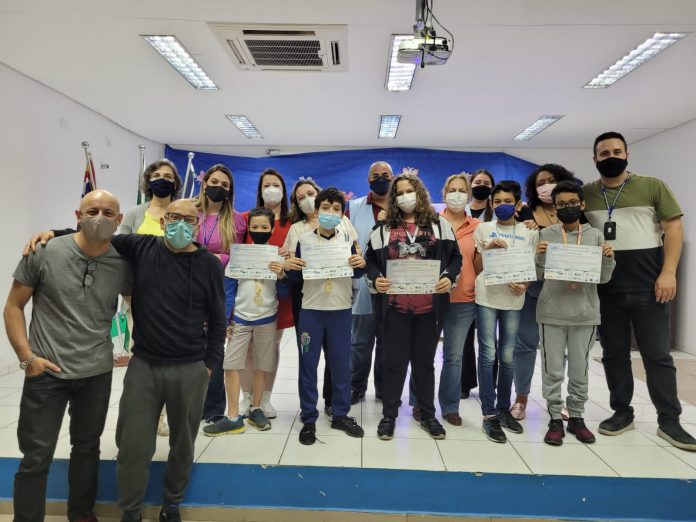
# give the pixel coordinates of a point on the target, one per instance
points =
(189, 166)
(90, 166)
(141, 196)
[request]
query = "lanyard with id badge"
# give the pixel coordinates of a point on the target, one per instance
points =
(610, 226)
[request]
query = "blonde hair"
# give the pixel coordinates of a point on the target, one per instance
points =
(425, 213)
(226, 226)
(464, 177)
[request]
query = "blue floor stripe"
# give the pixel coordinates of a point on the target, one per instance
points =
(404, 491)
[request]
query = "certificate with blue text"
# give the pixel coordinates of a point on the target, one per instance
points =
(580, 263)
(508, 265)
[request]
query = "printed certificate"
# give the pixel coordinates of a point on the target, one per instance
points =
(327, 261)
(508, 265)
(413, 276)
(251, 261)
(582, 263)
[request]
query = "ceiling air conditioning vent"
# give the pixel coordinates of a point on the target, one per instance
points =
(284, 47)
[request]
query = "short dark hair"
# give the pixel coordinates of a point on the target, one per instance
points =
(508, 185)
(567, 187)
(559, 172)
(332, 195)
(611, 135)
(152, 167)
(260, 212)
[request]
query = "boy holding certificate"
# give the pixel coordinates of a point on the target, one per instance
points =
(498, 309)
(253, 317)
(568, 313)
(331, 262)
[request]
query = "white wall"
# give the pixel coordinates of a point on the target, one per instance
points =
(670, 157)
(43, 165)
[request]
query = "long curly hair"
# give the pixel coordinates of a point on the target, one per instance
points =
(425, 213)
(559, 173)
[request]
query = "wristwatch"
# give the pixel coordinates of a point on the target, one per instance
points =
(23, 365)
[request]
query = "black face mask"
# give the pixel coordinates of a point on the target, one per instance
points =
(216, 194)
(568, 215)
(481, 191)
(260, 238)
(380, 185)
(161, 187)
(612, 167)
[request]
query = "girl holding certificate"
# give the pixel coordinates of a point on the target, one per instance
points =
(220, 226)
(412, 322)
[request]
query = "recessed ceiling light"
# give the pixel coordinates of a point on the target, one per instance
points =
(179, 58)
(535, 128)
(634, 59)
(388, 125)
(399, 75)
(243, 124)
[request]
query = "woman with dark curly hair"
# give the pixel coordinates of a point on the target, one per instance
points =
(412, 322)
(538, 213)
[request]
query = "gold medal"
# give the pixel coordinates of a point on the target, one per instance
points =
(328, 286)
(258, 298)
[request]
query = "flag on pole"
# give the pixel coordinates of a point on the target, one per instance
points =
(189, 178)
(89, 182)
(141, 194)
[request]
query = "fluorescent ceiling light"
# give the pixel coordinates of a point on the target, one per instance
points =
(179, 58)
(535, 128)
(388, 125)
(244, 125)
(399, 75)
(635, 58)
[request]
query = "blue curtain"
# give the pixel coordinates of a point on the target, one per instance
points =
(347, 169)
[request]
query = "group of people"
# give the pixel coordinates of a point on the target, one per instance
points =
(169, 263)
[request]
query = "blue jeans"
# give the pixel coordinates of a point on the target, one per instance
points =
(526, 346)
(507, 321)
(459, 319)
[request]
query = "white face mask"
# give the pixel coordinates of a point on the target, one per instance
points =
(456, 201)
(407, 202)
(307, 205)
(272, 195)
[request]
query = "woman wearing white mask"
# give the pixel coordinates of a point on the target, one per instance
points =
(412, 322)
(305, 218)
(272, 194)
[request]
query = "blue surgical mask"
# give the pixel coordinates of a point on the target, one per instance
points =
(328, 221)
(504, 212)
(179, 234)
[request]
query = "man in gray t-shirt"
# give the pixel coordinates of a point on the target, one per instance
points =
(74, 283)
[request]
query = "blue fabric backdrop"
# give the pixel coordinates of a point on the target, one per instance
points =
(347, 169)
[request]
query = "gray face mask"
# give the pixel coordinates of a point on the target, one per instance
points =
(98, 228)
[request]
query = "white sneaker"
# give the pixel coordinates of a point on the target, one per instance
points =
(266, 407)
(163, 426)
(245, 404)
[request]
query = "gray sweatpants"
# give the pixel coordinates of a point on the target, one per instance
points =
(554, 340)
(146, 388)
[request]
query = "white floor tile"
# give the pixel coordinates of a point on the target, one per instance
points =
(8, 443)
(653, 462)
(243, 449)
(12, 380)
(406, 426)
(402, 453)
(480, 456)
(649, 431)
(329, 450)
(10, 396)
(688, 457)
(568, 459)
(9, 415)
(286, 401)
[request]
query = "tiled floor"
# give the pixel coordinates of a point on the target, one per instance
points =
(638, 453)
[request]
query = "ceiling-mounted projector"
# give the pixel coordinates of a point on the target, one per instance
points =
(424, 51)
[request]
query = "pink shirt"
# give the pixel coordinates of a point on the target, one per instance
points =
(464, 292)
(209, 234)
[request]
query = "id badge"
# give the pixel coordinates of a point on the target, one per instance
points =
(610, 231)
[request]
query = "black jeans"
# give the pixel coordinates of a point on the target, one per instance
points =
(409, 338)
(215, 403)
(650, 321)
(41, 411)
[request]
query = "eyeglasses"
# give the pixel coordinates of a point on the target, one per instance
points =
(88, 276)
(568, 204)
(176, 217)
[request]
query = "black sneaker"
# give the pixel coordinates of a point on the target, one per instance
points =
(308, 434)
(385, 430)
(434, 428)
(491, 427)
(677, 436)
(554, 436)
(356, 397)
(509, 422)
(348, 425)
(131, 517)
(170, 514)
(328, 410)
(616, 424)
